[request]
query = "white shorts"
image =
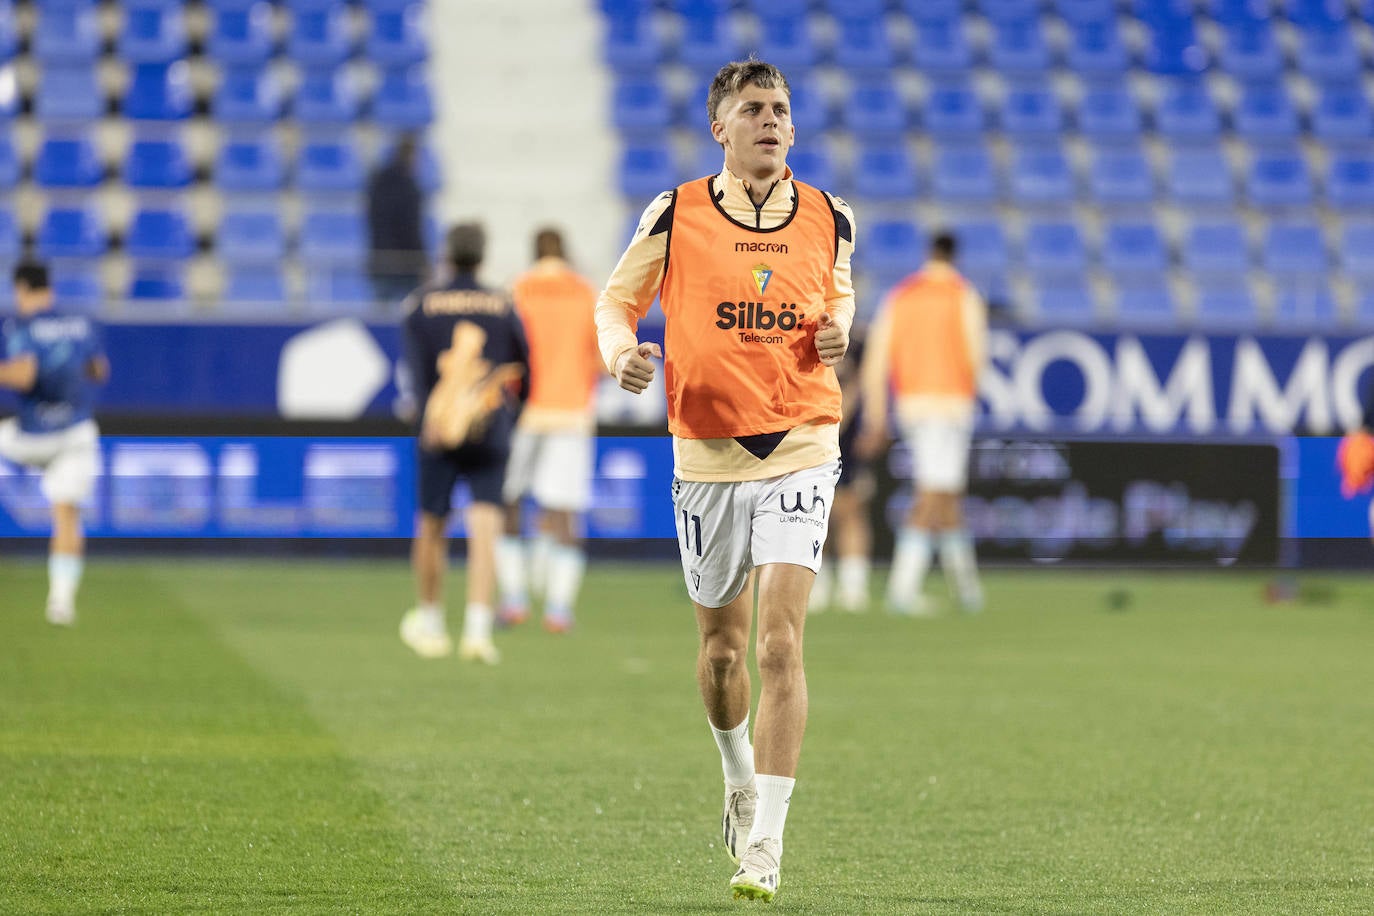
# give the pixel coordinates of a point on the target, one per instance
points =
(555, 468)
(725, 530)
(939, 452)
(68, 458)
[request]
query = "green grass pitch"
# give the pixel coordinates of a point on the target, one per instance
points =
(252, 737)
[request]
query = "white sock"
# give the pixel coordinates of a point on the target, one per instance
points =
(821, 588)
(64, 578)
(566, 565)
(910, 563)
(770, 813)
(961, 566)
(434, 616)
(510, 571)
(477, 622)
(540, 552)
(854, 582)
(736, 753)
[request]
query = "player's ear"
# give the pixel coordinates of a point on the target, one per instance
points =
(718, 131)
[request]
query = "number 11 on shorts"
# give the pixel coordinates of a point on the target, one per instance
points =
(689, 532)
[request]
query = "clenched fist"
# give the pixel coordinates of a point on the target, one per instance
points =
(832, 340)
(633, 370)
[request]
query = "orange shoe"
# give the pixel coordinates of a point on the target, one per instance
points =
(558, 623)
(512, 616)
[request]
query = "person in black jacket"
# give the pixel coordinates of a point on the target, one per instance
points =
(397, 261)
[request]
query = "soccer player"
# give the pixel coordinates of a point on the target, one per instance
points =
(553, 449)
(466, 350)
(54, 359)
(927, 345)
(755, 288)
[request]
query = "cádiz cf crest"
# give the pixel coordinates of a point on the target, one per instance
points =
(762, 274)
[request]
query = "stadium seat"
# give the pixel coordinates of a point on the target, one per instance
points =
(814, 164)
(69, 92)
(707, 37)
(319, 35)
(1108, 112)
(1017, 47)
(250, 236)
(767, 8)
(159, 92)
(338, 286)
(1185, 111)
(248, 95)
(1135, 249)
(162, 282)
(1172, 47)
(1329, 55)
(9, 41)
(875, 111)
(1249, 51)
(812, 112)
(869, 8)
(1146, 304)
(1239, 12)
(646, 170)
(397, 36)
(249, 165)
(157, 164)
(922, 10)
(1294, 248)
(9, 165)
(1031, 111)
(256, 286)
(1226, 305)
(1279, 179)
(789, 42)
(242, 35)
(71, 233)
(942, 48)
(1054, 248)
(1080, 11)
(1216, 249)
(641, 108)
(1120, 176)
(329, 167)
(1305, 305)
(77, 284)
(633, 43)
(333, 237)
(983, 247)
(1063, 300)
(154, 32)
(1264, 113)
(67, 34)
(953, 111)
(885, 172)
(158, 234)
(1041, 175)
(68, 162)
(863, 45)
(964, 174)
(328, 96)
(1095, 48)
(402, 99)
(1357, 252)
(11, 240)
(1317, 13)
(1200, 176)
(891, 248)
(1004, 10)
(1341, 115)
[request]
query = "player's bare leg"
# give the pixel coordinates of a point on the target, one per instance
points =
(957, 556)
(512, 570)
(911, 559)
(484, 522)
(566, 564)
(424, 628)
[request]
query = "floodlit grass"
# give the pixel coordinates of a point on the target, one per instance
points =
(251, 737)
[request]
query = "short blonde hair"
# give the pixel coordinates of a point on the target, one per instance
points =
(734, 76)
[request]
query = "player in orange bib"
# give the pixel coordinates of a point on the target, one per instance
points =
(753, 272)
(926, 348)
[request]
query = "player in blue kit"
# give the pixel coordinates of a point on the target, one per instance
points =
(55, 360)
(469, 360)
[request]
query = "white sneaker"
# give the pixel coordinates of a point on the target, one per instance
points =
(425, 639)
(738, 819)
(757, 878)
(917, 605)
(63, 615)
(471, 649)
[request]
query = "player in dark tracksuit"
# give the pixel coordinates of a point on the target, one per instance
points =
(465, 349)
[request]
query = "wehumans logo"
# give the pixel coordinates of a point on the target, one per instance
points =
(816, 497)
(752, 316)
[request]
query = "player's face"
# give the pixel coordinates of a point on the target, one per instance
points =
(27, 301)
(755, 127)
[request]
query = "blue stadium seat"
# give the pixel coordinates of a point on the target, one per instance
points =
(1173, 49)
(942, 48)
(1305, 305)
(157, 164)
(1239, 12)
(708, 36)
(983, 247)
(1075, 12)
(10, 239)
(329, 167)
(242, 34)
(1055, 248)
(69, 92)
(1185, 111)
(1146, 304)
(708, 162)
(161, 282)
(812, 112)
(68, 162)
(258, 285)
(333, 237)
(875, 110)
(338, 285)
(891, 248)
(1134, 248)
(923, 10)
(815, 164)
(77, 284)
(646, 170)
(319, 35)
(249, 95)
(1250, 52)
(328, 96)
(159, 92)
(1364, 308)
(159, 234)
(1041, 175)
(953, 111)
(67, 35)
(869, 8)
(1279, 179)
(964, 173)
(1226, 305)
(1109, 112)
(250, 165)
(1329, 54)
(397, 36)
(154, 31)
(633, 43)
(1003, 10)
(9, 42)
(1120, 176)
(1350, 182)
(1063, 300)
(641, 107)
(1031, 111)
(767, 8)
(250, 236)
(885, 172)
(9, 164)
(1216, 249)
(863, 45)
(1095, 48)
(1294, 248)
(1200, 176)
(1264, 113)
(403, 99)
(789, 42)
(1317, 13)
(1341, 114)
(1017, 46)
(1357, 252)
(72, 233)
